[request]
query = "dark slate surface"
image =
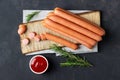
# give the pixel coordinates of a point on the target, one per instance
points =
(14, 65)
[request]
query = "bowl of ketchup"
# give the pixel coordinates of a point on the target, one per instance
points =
(38, 64)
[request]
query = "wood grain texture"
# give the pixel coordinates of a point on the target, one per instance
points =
(37, 27)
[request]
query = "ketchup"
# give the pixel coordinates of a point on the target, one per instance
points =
(38, 64)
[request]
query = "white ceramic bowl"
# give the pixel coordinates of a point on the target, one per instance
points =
(31, 62)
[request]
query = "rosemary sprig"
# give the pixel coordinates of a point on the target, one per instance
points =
(71, 60)
(30, 16)
(74, 64)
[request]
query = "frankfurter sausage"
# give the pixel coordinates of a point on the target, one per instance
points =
(42, 37)
(50, 13)
(31, 35)
(61, 41)
(25, 41)
(22, 29)
(37, 38)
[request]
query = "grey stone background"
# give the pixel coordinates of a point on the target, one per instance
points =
(14, 65)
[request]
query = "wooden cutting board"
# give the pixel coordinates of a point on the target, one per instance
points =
(36, 26)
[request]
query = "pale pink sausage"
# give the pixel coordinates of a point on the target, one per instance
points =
(37, 38)
(31, 35)
(25, 41)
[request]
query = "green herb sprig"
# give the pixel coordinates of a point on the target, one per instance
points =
(30, 16)
(71, 60)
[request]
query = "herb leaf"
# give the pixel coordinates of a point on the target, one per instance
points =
(30, 16)
(71, 60)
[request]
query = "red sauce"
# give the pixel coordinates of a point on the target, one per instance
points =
(38, 64)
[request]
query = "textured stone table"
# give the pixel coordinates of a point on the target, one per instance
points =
(14, 65)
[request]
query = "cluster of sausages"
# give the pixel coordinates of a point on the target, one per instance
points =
(73, 26)
(67, 24)
(32, 35)
(46, 36)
